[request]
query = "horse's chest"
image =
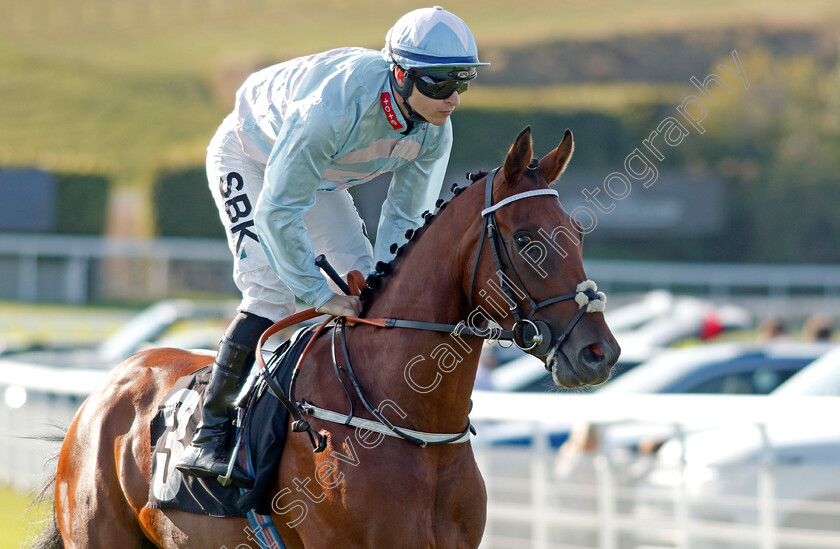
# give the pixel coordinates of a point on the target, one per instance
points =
(441, 505)
(395, 496)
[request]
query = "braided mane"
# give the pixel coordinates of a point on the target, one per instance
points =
(374, 281)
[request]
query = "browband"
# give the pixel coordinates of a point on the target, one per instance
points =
(520, 196)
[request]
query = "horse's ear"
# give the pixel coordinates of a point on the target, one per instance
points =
(553, 164)
(518, 157)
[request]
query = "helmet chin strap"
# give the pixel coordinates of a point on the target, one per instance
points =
(404, 91)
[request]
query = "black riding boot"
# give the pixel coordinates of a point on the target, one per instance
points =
(208, 453)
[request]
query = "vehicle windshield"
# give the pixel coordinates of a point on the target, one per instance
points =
(658, 373)
(820, 378)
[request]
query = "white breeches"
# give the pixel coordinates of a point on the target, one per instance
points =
(334, 225)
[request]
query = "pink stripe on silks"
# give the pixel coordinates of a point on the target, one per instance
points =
(338, 176)
(520, 196)
(382, 148)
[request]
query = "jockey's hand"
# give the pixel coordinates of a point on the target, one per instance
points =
(342, 305)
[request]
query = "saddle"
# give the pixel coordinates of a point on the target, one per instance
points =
(261, 437)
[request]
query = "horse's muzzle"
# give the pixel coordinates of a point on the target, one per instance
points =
(591, 365)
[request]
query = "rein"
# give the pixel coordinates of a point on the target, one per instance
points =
(382, 425)
(532, 336)
(298, 423)
(299, 409)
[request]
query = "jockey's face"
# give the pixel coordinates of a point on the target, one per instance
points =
(436, 111)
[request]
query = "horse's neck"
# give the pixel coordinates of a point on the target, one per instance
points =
(432, 373)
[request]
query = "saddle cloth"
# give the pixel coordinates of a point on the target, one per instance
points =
(265, 426)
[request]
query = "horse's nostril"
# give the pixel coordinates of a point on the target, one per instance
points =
(592, 355)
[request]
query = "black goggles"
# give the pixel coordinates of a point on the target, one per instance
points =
(438, 88)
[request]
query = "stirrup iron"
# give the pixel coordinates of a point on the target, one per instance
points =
(226, 480)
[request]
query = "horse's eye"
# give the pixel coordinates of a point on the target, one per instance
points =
(523, 240)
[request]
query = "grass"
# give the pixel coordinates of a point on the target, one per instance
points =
(608, 98)
(25, 324)
(16, 523)
(125, 89)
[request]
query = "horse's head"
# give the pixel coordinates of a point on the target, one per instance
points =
(526, 271)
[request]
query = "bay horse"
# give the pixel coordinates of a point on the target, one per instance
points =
(366, 490)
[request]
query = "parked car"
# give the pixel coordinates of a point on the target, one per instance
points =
(527, 373)
(802, 454)
(672, 319)
(714, 368)
(720, 368)
(165, 323)
(644, 329)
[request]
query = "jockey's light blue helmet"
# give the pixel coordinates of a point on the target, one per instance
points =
(431, 37)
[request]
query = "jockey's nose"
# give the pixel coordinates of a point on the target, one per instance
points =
(454, 99)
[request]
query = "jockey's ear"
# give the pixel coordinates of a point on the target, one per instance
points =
(553, 164)
(518, 157)
(399, 74)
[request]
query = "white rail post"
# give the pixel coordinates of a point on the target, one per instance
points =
(606, 502)
(681, 509)
(539, 486)
(766, 492)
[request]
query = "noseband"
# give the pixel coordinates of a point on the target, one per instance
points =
(532, 336)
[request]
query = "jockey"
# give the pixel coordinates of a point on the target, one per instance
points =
(279, 166)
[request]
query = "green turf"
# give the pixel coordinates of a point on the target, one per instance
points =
(16, 522)
(126, 88)
(27, 324)
(575, 97)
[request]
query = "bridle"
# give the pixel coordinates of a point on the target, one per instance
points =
(532, 336)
